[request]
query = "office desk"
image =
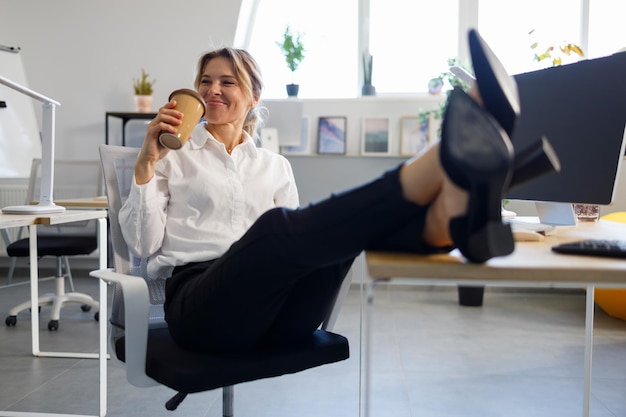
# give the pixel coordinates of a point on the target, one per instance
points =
(532, 264)
(32, 221)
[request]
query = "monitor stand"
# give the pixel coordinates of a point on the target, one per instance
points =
(555, 214)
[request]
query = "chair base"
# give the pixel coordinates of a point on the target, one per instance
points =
(56, 300)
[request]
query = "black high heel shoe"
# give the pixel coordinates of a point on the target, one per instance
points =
(500, 98)
(477, 155)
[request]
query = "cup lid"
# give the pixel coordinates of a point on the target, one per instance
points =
(190, 92)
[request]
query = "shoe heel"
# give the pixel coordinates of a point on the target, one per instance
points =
(491, 240)
(537, 159)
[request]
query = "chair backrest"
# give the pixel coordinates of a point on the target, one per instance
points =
(118, 164)
(118, 169)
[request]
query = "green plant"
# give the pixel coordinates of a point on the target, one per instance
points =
(142, 86)
(368, 66)
(292, 49)
(453, 81)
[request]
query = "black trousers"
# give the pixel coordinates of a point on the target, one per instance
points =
(278, 281)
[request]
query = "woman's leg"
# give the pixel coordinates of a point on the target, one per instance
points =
(234, 304)
(307, 305)
(248, 310)
(240, 296)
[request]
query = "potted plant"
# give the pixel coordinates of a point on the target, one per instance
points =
(143, 92)
(368, 65)
(293, 51)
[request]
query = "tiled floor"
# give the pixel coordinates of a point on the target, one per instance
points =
(521, 354)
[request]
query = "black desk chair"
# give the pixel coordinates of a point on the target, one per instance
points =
(139, 336)
(79, 178)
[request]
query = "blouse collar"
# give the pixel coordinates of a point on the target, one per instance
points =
(201, 136)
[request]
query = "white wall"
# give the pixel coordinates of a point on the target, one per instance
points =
(85, 53)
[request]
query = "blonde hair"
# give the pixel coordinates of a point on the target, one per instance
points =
(248, 75)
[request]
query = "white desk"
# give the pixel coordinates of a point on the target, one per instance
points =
(532, 264)
(14, 220)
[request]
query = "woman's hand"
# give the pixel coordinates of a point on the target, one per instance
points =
(152, 151)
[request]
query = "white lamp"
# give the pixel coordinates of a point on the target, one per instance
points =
(46, 203)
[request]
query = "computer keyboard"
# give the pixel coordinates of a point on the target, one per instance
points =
(594, 247)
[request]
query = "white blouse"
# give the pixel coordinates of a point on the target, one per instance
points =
(201, 200)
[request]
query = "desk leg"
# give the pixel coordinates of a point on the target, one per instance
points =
(34, 289)
(124, 131)
(367, 342)
(103, 315)
(588, 349)
(34, 294)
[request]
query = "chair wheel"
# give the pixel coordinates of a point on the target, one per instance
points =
(96, 316)
(53, 325)
(85, 307)
(10, 320)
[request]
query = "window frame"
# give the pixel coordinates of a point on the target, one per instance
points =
(468, 17)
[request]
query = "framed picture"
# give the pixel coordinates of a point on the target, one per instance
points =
(331, 135)
(304, 148)
(414, 133)
(375, 136)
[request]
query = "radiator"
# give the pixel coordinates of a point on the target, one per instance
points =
(12, 193)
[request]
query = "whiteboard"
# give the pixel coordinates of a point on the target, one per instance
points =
(20, 141)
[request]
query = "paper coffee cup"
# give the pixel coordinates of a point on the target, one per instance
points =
(192, 106)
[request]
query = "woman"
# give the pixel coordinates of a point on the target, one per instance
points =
(219, 218)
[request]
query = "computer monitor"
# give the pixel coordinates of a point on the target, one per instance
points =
(286, 117)
(581, 109)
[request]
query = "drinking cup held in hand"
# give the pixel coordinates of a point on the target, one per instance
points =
(192, 106)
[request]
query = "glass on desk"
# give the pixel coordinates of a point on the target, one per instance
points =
(587, 212)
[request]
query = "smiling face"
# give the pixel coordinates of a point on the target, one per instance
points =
(216, 72)
(226, 101)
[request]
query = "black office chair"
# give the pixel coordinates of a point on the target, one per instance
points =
(60, 242)
(139, 336)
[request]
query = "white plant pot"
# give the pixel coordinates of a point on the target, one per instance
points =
(143, 104)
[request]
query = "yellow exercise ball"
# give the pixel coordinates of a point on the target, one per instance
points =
(612, 300)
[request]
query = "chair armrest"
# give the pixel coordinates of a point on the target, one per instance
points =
(136, 314)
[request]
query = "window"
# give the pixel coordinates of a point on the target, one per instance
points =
(329, 34)
(411, 41)
(553, 22)
(607, 31)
